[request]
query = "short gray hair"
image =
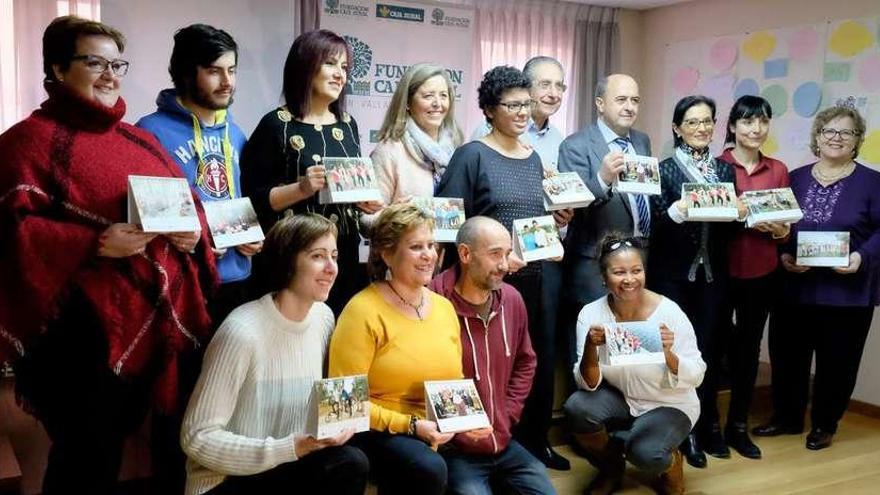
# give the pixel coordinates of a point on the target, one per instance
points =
(533, 63)
(471, 229)
(601, 87)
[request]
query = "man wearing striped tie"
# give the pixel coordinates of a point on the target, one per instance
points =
(596, 154)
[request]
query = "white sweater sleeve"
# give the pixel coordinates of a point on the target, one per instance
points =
(204, 436)
(691, 366)
(585, 318)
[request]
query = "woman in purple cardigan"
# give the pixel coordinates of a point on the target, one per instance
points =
(829, 310)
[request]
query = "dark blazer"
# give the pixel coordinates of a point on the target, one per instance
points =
(582, 152)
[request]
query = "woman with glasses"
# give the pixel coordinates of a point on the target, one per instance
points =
(418, 135)
(499, 177)
(752, 261)
(643, 412)
(282, 164)
(96, 313)
(688, 261)
(827, 311)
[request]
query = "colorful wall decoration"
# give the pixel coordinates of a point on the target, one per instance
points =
(799, 70)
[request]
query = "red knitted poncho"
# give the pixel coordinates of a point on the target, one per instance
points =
(63, 181)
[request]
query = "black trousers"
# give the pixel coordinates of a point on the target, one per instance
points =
(836, 335)
(538, 410)
(705, 305)
(334, 470)
(752, 300)
(87, 410)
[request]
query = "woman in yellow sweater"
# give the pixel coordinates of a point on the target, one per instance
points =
(400, 334)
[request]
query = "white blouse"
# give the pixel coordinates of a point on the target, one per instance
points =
(649, 386)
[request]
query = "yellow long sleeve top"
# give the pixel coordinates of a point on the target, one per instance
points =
(397, 353)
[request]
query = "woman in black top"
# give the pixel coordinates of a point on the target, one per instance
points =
(282, 163)
(499, 177)
(688, 260)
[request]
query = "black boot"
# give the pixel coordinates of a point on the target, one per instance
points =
(550, 458)
(737, 437)
(692, 451)
(775, 428)
(713, 442)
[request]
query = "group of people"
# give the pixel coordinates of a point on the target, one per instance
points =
(223, 346)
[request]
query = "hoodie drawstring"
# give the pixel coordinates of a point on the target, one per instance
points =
(467, 327)
(227, 151)
(504, 332)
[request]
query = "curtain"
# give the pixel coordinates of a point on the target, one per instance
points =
(512, 31)
(21, 57)
(597, 43)
(306, 16)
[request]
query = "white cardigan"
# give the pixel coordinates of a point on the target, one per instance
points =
(649, 386)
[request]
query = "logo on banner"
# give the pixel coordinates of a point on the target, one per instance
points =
(439, 18)
(335, 7)
(399, 13)
(362, 56)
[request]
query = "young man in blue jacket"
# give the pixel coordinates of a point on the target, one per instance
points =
(194, 126)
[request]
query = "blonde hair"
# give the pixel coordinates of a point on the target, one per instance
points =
(393, 223)
(829, 114)
(414, 77)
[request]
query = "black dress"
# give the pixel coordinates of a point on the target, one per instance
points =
(278, 152)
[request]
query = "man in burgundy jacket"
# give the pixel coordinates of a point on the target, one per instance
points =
(497, 354)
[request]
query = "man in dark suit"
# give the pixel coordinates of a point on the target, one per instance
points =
(596, 154)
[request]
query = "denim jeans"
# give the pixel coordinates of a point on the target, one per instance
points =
(514, 469)
(401, 464)
(649, 439)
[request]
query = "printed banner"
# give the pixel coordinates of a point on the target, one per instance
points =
(386, 38)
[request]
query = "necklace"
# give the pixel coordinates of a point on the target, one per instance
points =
(827, 179)
(416, 307)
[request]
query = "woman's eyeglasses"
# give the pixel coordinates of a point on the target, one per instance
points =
(844, 134)
(517, 106)
(614, 246)
(99, 65)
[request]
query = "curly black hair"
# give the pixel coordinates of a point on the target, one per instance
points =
(495, 83)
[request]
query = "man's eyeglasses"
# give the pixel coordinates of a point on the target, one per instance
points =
(844, 134)
(545, 85)
(517, 106)
(98, 64)
(693, 124)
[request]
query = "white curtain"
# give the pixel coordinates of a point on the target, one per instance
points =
(509, 32)
(22, 23)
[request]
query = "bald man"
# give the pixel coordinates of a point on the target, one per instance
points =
(497, 354)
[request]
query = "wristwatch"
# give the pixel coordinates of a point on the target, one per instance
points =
(411, 431)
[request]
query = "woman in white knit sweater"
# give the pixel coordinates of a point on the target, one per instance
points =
(243, 429)
(642, 410)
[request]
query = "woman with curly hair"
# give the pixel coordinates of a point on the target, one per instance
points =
(499, 177)
(282, 163)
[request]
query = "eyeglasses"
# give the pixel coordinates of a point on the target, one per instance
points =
(545, 85)
(98, 64)
(844, 134)
(517, 106)
(694, 124)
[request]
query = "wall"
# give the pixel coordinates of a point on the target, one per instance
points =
(263, 30)
(644, 42)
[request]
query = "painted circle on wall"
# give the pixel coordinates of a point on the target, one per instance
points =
(684, 80)
(777, 96)
(850, 38)
(746, 87)
(868, 72)
(722, 55)
(802, 44)
(806, 99)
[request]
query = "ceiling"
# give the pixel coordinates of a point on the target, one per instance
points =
(631, 4)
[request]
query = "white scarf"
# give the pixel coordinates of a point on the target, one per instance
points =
(432, 155)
